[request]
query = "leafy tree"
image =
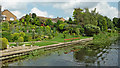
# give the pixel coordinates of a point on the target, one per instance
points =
(116, 22)
(63, 26)
(15, 36)
(110, 24)
(5, 26)
(77, 31)
(70, 21)
(49, 22)
(47, 30)
(65, 34)
(27, 19)
(104, 23)
(4, 43)
(22, 34)
(78, 16)
(90, 29)
(6, 35)
(34, 15)
(20, 39)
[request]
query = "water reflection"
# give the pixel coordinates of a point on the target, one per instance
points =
(75, 55)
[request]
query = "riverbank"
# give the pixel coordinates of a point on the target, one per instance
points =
(14, 52)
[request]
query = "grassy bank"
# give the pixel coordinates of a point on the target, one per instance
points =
(105, 38)
(55, 40)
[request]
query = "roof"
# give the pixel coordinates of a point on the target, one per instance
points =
(9, 12)
(53, 19)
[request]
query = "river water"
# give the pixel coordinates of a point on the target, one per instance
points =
(76, 56)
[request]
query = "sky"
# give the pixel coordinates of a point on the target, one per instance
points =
(59, 8)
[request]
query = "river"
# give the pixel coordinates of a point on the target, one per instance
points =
(76, 56)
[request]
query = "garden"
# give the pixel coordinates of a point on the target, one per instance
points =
(35, 31)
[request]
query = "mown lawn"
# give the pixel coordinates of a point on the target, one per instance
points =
(60, 38)
(55, 40)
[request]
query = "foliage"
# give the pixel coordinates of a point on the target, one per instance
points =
(5, 26)
(77, 31)
(65, 34)
(4, 43)
(49, 22)
(90, 30)
(20, 39)
(6, 35)
(104, 38)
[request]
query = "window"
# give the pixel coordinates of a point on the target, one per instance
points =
(11, 18)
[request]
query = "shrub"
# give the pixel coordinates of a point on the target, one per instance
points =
(20, 39)
(27, 38)
(90, 30)
(5, 26)
(7, 35)
(22, 34)
(82, 30)
(65, 33)
(50, 36)
(77, 31)
(4, 43)
(15, 36)
(38, 39)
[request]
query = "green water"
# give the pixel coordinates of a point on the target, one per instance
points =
(75, 55)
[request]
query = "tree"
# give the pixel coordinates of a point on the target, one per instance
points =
(34, 15)
(110, 24)
(4, 43)
(90, 29)
(78, 16)
(90, 17)
(20, 39)
(70, 21)
(77, 31)
(104, 25)
(5, 26)
(27, 19)
(116, 22)
(63, 27)
(49, 22)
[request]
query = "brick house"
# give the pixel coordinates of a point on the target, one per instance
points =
(8, 16)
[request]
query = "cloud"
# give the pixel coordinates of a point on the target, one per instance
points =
(102, 7)
(105, 9)
(14, 5)
(66, 18)
(68, 7)
(40, 13)
(18, 14)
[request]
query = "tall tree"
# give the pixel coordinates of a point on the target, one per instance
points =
(78, 16)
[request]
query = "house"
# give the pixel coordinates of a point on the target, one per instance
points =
(8, 16)
(54, 20)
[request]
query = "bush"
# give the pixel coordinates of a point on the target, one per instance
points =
(4, 43)
(7, 35)
(65, 33)
(50, 36)
(27, 38)
(20, 39)
(38, 39)
(90, 30)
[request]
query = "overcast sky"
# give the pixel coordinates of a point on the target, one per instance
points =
(59, 8)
